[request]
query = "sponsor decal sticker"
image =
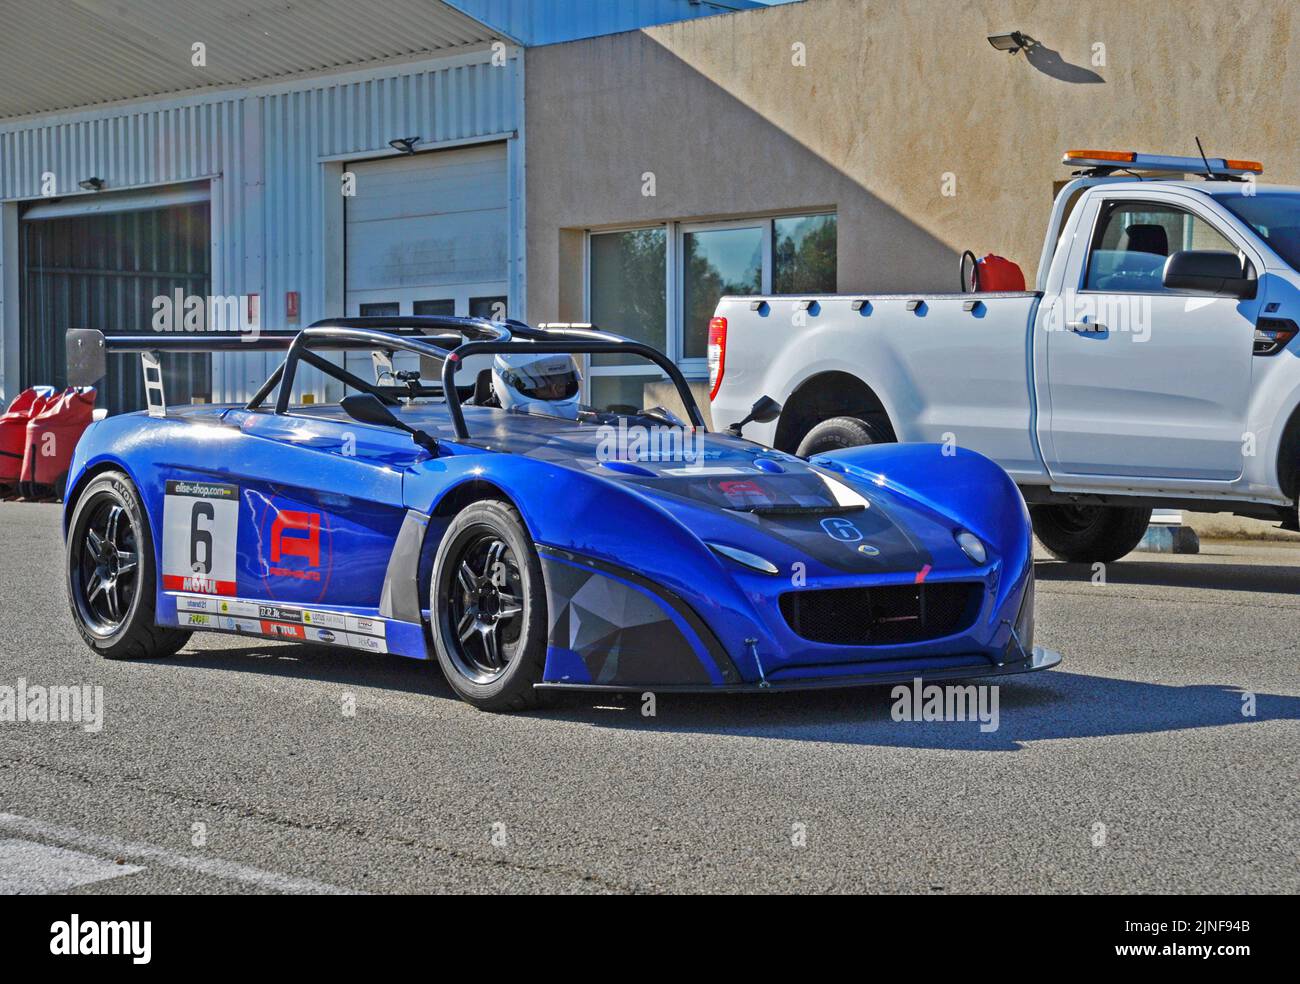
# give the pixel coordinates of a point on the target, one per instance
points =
(329, 620)
(839, 528)
(282, 622)
(200, 535)
(369, 626)
(295, 534)
(282, 630)
(244, 609)
(242, 625)
(295, 551)
(277, 614)
(375, 645)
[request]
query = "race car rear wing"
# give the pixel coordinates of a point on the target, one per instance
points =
(448, 340)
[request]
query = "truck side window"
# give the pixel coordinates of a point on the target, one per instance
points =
(1134, 239)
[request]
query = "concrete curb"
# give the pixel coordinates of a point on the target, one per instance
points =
(1170, 539)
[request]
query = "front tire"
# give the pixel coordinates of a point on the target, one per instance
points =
(839, 433)
(1089, 534)
(111, 581)
(489, 608)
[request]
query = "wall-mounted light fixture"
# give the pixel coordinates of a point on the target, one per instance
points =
(1012, 42)
(404, 145)
(92, 184)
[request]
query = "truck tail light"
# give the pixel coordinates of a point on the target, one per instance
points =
(717, 354)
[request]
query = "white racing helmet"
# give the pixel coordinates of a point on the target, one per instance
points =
(546, 383)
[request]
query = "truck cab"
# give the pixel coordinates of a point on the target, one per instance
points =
(1153, 363)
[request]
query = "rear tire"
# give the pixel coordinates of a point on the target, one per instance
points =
(1089, 534)
(489, 608)
(839, 433)
(111, 581)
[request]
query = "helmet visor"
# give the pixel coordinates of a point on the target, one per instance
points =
(550, 379)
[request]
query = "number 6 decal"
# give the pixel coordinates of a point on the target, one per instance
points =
(200, 537)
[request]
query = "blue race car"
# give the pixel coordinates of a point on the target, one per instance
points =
(624, 549)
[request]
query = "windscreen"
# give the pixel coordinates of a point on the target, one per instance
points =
(1274, 215)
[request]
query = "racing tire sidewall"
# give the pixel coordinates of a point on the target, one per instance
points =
(137, 636)
(513, 690)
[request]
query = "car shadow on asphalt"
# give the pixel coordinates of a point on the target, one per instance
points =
(325, 664)
(1256, 578)
(1032, 707)
(1038, 707)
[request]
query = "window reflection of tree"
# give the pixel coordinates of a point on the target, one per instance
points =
(705, 284)
(636, 263)
(804, 257)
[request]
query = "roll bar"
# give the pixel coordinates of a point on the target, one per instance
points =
(446, 339)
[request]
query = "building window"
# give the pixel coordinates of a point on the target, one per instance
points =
(661, 284)
(442, 306)
(628, 286)
(803, 254)
(491, 308)
(629, 295)
(717, 261)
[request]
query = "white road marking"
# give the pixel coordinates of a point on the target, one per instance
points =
(212, 867)
(28, 868)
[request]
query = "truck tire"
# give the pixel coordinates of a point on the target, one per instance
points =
(838, 433)
(1089, 534)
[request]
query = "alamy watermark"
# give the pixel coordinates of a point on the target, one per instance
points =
(1085, 311)
(28, 704)
(635, 442)
(179, 311)
(931, 702)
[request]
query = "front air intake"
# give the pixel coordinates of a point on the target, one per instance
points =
(882, 616)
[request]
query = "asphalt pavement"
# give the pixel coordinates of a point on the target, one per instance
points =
(1161, 756)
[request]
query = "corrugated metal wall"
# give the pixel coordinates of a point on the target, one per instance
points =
(103, 271)
(263, 151)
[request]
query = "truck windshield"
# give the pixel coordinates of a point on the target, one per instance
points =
(1274, 215)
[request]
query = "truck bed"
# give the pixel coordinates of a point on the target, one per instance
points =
(973, 349)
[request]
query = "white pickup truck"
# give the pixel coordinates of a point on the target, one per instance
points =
(1153, 365)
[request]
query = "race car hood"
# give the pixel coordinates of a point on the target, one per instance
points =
(729, 490)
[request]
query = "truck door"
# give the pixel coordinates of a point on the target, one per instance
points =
(1144, 381)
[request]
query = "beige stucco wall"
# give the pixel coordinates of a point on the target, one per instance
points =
(893, 96)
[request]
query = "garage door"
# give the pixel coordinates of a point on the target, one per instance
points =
(428, 234)
(103, 270)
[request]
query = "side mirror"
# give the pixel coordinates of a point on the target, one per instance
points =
(1214, 271)
(764, 411)
(369, 409)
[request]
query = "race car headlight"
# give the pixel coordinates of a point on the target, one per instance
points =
(971, 546)
(745, 558)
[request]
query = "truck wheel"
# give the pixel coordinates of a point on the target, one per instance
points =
(839, 433)
(1088, 534)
